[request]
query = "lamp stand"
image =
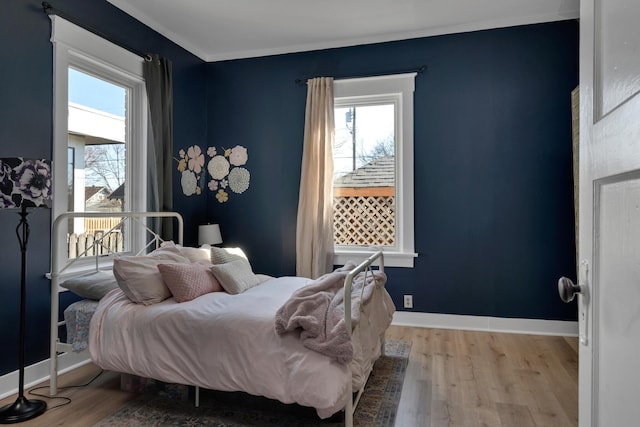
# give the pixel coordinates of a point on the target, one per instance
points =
(22, 409)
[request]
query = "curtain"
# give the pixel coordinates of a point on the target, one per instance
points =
(314, 229)
(158, 80)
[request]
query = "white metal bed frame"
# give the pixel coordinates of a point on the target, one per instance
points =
(365, 266)
(57, 347)
(128, 218)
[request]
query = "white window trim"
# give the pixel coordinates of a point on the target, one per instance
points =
(79, 48)
(401, 87)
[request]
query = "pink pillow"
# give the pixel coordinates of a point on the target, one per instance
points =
(188, 281)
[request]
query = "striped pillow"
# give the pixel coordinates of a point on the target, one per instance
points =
(225, 255)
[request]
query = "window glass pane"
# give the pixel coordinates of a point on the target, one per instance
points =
(364, 175)
(97, 142)
(71, 155)
(92, 92)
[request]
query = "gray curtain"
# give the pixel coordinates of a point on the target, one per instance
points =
(158, 81)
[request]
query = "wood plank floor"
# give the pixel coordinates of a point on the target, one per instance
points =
(467, 379)
(454, 378)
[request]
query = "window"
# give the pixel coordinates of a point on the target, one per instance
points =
(99, 136)
(373, 169)
(96, 131)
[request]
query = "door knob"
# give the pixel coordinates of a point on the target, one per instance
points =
(567, 289)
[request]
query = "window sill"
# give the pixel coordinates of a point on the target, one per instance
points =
(391, 259)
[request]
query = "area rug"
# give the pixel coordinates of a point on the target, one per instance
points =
(377, 406)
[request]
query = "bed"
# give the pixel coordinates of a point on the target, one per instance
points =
(95, 269)
(256, 340)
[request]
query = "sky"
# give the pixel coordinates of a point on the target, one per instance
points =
(374, 123)
(95, 93)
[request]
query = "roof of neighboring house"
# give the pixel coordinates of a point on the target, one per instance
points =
(118, 193)
(89, 192)
(378, 173)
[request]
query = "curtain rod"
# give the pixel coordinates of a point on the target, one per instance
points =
(50, 10)
(418, 70)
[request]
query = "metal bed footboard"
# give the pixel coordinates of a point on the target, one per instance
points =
(57, 347)
(367, 267)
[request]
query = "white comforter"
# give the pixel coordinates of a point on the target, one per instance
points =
(228, 342)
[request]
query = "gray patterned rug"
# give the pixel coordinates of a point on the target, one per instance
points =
(377, 407)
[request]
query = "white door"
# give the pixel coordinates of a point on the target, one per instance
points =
(609, 213)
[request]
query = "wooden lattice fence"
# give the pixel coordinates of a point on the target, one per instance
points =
(93, 225)
(111, 243)
(364, 220)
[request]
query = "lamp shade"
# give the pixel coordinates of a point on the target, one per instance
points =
(24, 182)
(209, 234)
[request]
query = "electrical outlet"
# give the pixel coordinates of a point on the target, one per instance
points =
(408, 301)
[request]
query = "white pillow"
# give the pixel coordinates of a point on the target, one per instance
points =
(93, 285)
(139, 278)
(195, 254)
(167, 248)
(236, 276)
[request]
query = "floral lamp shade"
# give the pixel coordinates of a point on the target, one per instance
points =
(24, 182)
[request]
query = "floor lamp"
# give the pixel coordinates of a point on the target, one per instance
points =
(24, 183)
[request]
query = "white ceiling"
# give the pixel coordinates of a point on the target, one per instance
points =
(217, 30)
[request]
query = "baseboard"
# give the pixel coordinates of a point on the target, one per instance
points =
(39, 372)
(486, 323)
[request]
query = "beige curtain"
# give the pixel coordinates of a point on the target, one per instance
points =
(314, 231)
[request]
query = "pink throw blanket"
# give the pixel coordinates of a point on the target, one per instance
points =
(318, 310)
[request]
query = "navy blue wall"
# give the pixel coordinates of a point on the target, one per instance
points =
(26, 82)
(492, 158)
(493, 177)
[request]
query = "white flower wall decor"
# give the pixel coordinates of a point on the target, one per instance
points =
(226, 171)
